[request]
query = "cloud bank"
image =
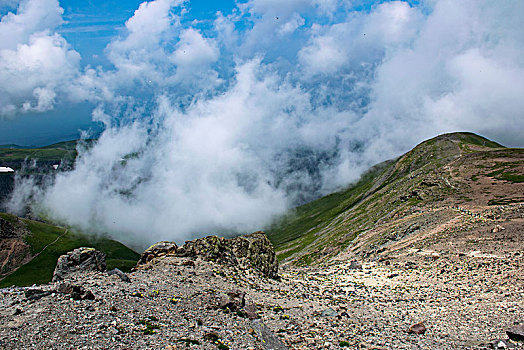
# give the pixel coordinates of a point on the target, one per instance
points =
(220, 126)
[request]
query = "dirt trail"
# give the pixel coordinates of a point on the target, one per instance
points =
(30, 258)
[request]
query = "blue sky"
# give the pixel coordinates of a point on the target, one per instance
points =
(90, 25)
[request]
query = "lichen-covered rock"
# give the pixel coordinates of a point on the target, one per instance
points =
(253, 251)
(157, 250)
(80, 259)
(210, 248)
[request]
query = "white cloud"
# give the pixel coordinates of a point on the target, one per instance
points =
(140, 56)
(328, 7)
(324, 54)
(35, 64)
(362, 39)
(193, 55)
(290, 26)
(221, 164)
(458, 75)
(270, 20)
(31, 75)
(392, 23)
(33, 16)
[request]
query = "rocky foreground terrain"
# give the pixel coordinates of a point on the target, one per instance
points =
(214, 293)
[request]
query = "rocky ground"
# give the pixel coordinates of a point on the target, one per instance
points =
(465, 296)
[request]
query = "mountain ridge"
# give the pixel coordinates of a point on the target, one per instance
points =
(421, 177)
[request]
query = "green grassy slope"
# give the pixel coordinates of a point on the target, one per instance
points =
(325, 226)
(57, 242)
(53, 153)
(313, 214)
(41, 154)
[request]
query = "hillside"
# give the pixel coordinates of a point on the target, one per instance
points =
(419, 194)
(36, 162)
(53, 153)
(29, 250)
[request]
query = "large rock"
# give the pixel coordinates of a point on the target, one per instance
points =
(253, 251)
(418, 328)
(516, 333)
(269, 340)
(157, 250)
(80, 259)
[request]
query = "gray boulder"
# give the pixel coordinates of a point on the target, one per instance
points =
(269, 340)
(80, 259)
(123, 276)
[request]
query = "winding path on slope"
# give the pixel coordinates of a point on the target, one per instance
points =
(37, 254)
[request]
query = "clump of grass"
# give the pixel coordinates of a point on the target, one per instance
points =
(211, 337)
(149, 327)
(189, 341)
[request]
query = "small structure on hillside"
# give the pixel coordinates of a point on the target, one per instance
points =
(6, 169)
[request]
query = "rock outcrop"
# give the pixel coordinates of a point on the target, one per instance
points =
(253, 251)
(80, 259)
(157, 250)
(13, 250)
(7, 230)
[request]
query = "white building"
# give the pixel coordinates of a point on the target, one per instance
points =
(5, 169)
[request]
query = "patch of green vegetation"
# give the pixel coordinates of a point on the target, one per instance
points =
(121, 264)
(321, 211)
(503, 172)
(511, 177)
(70, 145)
(8, 217)
(57, 241)
(149, 327)
(499, 165)
(189, 341)
(474, 139)
(56, 151)
(505, 201)
(41, 154)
